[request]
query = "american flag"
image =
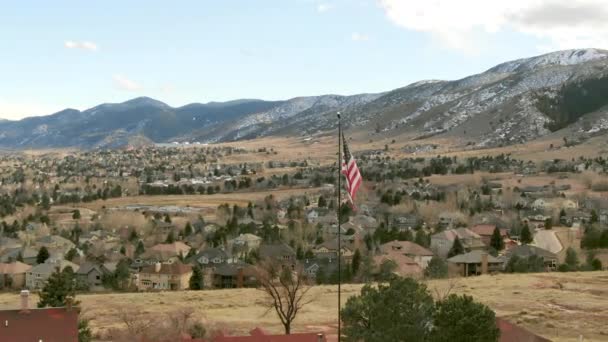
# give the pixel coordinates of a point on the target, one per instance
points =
(351, 171)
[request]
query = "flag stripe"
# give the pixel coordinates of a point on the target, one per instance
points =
(351, 172)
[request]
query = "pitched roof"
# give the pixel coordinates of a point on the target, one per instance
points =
(485, 229)
(48, 325)
(512, 333)
(473, 257)
(406, 266)
(49, 267)
(406, 247)
(87, 267)
(14, 268)
(175, 268)
(176, 247)
(451, 234)
(275, 251)
(525, 251)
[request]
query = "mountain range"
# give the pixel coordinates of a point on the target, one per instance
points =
(562, 92)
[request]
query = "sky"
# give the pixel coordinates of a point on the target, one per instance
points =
(77, 54)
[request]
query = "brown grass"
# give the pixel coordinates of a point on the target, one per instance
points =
(559, 306)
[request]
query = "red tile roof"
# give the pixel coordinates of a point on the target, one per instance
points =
(48, 325)
(512, 333)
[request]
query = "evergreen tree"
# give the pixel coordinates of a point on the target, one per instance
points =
(437, 268)
(456, 249)
(43, 254)
(167, 218)
(322, 203)
(497, 241)
(76, 214)
(549, 223)
(140, 249)
(571, 259)
(526, 235)
(84, 331)
(71, 254)
(170, 238)
(20, 257)
(422, 238)
(59, 286)
(196, 280)
(188, 229)
(356, 262)
(133, 236)
(460, 319)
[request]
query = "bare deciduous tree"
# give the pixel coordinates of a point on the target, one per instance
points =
(285, 291)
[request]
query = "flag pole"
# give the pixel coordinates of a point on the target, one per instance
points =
(339, 224)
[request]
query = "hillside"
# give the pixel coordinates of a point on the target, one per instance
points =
(556, 94)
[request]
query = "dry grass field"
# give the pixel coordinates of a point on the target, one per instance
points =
(199, 201)
(559, 306)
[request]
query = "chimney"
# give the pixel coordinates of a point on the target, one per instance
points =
(484, 263)
(25, 301)
(157, 267)
(320, 337)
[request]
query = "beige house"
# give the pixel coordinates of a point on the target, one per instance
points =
(174, 276)
(419, 254)
(13, 275)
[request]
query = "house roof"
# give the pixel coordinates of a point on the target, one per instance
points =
(276, 251)
(473, 257)
(259, 335)
(209, 253)
(14, 268)
(48, 325)
(525, 251)
(175, 268)
(87, 267)
(49, 267)
(406, 247)
(451, 234)
(406, 266)
(487, 230)
(176, 247)
(232, 269)
(512, 333)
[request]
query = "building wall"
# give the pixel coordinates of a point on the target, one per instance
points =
(157, 281)
(17, 280)
(35, 280)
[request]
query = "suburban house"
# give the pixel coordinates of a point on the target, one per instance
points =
(259, 335)
(406, 221)
(233, 275)
(525, 251)
(39, 325)
(419, 254)
(91, 274)
(55, 242)
(404, 265)
(167, 251)
(442, 242)
(281, 253)
(174, 276)
(247, 241)
(473, 263)
(13, 275)
(36, 277)
(329, 250)
(210, 257)
(486, 231)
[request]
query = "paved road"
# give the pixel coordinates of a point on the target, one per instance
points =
(546, 239)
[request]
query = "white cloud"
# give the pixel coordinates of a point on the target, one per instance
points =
(359, 37)
(167, 88)
(456, 24)
(122, 82)
(19, 110)
(84, 45)
(322, 8)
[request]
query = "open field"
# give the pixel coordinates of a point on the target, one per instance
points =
(201, 201)
(559, 306)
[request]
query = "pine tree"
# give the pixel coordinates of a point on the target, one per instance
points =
(196, 280)
(356, 263)
(496, 241)
(456, 249)
(140, 249)
(59, 286)
(167, 218)
(525, 236)
(422, 238)
(188, 229)
(43, 254)
(170, 238)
